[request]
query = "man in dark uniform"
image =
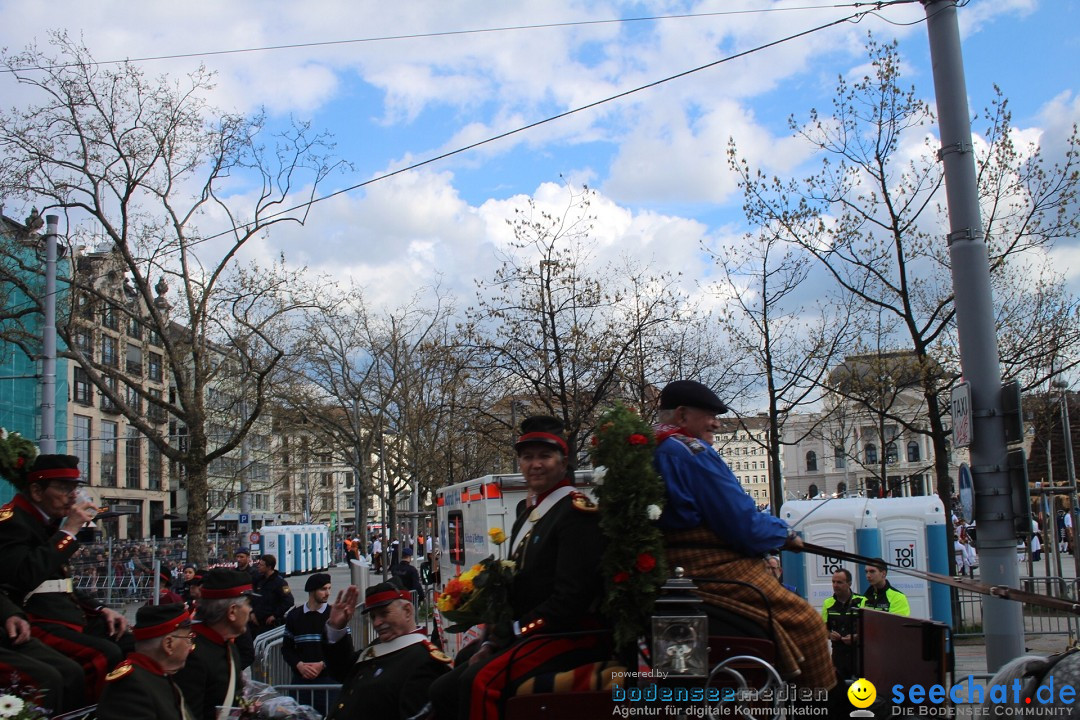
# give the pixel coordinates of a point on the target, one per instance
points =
(557, 546)
(27, 661)
(391, 677)
(273, 597)
(37, 539)
(840, 615)
(406, 575)
(243, 562)
(211, 677)
(141, 687)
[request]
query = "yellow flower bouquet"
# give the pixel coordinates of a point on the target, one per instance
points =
(480, 595)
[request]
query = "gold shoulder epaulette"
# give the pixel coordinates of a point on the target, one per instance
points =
(6, 512)
(120, 671)
(583, 502)
(436, 653)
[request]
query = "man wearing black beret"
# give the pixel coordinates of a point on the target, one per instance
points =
(141, 687)
(211, 677)
(37, 539)
(389, 680)
(301, 647)
(713, 529)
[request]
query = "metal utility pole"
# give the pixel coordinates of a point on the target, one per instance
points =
(1003, 624)
(47, 437)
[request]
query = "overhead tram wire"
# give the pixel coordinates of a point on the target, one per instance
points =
(451, 33)
(854, 17)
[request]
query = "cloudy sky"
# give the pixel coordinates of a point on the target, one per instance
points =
(399, 83)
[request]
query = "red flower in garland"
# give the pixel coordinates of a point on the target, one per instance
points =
(621, 577)
(595, 441)
(645, 562)
(19, 462)
(638, 439)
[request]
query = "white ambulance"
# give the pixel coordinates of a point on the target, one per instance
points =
(465, 512)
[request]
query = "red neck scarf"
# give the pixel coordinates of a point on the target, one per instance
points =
(565, 482)
(665, 430)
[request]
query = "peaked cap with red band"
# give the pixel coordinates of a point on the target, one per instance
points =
(542, 430)
(153, 621)
(383, 594)
(220, 583)
(55, 467)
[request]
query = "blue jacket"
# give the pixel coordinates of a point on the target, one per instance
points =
(702, 491)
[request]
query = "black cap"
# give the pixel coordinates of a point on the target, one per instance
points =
(55, 467)
(316, 581)
(383, 594)
(153, 621)
(242, 551)
(542, 430)
(690, 393)
(221, 583)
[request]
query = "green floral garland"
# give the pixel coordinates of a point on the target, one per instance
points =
(17, 455)
(631, 497)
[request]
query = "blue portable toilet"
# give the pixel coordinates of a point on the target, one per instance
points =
(847, 524)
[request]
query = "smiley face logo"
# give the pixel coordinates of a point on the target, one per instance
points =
(862, 693)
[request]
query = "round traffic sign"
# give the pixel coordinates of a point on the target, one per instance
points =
(253, 537)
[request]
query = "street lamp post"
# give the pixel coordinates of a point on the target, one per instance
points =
(1070, 470)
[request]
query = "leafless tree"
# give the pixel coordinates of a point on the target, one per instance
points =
(873, 220)
(560, 333)
(135, 164)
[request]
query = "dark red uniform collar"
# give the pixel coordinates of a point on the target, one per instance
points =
(565, 482)
(146, 663)
(209, 633)
(27, 505)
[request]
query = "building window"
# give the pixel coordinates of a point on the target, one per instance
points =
(153, 366)
(155, 412)
(892, 455)
(106, 404)
(134, 328)
(109, 351)
(153, 337)
(913, 452)
(153, 466)
(109, 319)
(870, 452)
(349, 480)
(108, 453)
(134, 400)
(81, 340)
(82, 392)
(132, 458)
(811, 461)
(286, 503)
(838, 457)
(133, 360)
(80, 443)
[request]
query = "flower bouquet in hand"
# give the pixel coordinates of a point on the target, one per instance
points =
(480, 595)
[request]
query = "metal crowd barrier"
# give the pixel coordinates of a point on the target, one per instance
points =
(1037, 620)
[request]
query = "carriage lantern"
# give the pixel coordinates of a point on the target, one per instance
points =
(680, 631)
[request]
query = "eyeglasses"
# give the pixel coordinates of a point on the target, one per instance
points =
(190, 637)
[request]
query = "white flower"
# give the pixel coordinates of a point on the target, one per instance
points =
(653, 511)
(598, 474)
(10, 706)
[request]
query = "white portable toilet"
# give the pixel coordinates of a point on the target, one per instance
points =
(847, 524)
(910, 528)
